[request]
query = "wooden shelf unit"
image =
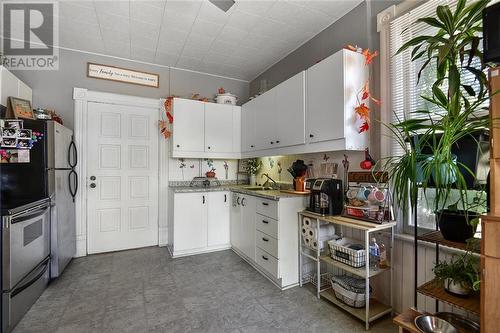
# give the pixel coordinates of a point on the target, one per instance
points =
(377, 309)
(435, 289)
(436, 237)
(406, 321)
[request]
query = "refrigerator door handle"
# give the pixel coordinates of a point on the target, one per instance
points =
(73, 185)
(72, 153)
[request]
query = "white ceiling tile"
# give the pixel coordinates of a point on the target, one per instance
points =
(142, 11)
(232, 35)
(268, 27)
(223, 47)
(154, 3)
(173, 36)
(67, 26)
(113, 21)
(110, 35)
(171, 47)
(82, 3)
(121, 8)
(284, 12)
(182, 8)
(146, 55)
(205, 28)
(242, 20)
(147, 30)
(256, 7)
(245, 52)
(209, 12)
(188, 63)
(140, 40)
(117, 49)
(166, 59)
(179, 22)
(74, 11)
(213, 57)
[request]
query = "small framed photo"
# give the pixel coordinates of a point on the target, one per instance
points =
(24, 134)
(20, 108)
(9, 132)
(11, 123)
(9, 143)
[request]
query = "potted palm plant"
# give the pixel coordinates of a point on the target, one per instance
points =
(455, 113)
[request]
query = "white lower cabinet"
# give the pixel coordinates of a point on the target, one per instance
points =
(200, 222)
(247, 231)
(265, 233)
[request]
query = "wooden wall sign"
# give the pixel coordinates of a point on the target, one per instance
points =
(118, 74)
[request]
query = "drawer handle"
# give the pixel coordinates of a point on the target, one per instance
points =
(265, 204)
(265, 239)
(265, 258)
(264, 221)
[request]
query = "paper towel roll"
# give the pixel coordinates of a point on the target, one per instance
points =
(325, 231)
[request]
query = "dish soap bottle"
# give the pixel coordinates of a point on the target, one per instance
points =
(383, 257)
(374, 254)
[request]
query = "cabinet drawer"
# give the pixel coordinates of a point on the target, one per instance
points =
(267, 262)
(266, 225)
(267, 208)
(266, 243)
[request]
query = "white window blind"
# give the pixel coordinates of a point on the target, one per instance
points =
(405, 92)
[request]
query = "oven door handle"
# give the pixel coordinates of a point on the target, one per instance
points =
(28, 284)
(30, 215)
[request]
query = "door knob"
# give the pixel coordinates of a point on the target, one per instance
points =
(93, 185)
(92, 177)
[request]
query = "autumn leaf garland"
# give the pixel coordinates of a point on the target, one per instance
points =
(362, 110)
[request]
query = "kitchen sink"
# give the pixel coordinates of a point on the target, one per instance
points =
(258, 188)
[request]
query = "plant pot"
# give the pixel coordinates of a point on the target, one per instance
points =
(253, 180)
(457, 288)
(210, 174)
(454, 225)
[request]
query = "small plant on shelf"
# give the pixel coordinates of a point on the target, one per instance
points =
(460, 274)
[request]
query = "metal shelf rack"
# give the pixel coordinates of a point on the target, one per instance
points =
(374, 309)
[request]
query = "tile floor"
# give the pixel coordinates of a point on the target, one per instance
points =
(146, 291)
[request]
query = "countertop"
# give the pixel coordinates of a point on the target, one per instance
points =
(266, 194)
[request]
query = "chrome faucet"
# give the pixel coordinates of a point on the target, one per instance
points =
(275, 185)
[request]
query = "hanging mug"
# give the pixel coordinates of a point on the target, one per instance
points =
(376, 195)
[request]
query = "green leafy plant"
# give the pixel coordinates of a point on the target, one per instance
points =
(454, 109)
(463, 270)
(253, 166)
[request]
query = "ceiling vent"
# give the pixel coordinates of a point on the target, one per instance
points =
(223, 4)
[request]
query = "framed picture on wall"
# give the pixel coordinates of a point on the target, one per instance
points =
(19, 108)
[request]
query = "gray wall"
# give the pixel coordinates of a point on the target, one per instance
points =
(54, 89)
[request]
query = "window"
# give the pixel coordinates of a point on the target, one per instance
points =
(406, 93)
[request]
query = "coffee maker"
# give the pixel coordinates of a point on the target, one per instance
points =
(327, 196)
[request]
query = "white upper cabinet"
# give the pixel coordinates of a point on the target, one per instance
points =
(290, 111)
(10, 85)
(248, 124)
(206, 130)
(188, 126)
(311, 112)
(265, 124)
(332, 88)
(218, 128)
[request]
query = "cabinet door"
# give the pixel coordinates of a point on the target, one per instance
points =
(325, 100)
(265, 129)
(218, 128)
(290, 110)
(218, 218)
(236, 129)
(189, 125)
(248, 117)
(236, 220)
(247, 235)
(190, 221)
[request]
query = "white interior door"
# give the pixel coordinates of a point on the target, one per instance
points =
(122, 184)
